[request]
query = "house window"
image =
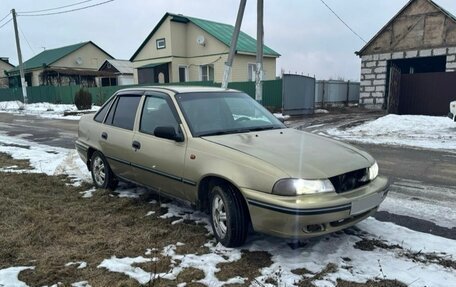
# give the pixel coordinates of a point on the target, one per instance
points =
(161, 43)
(251, 71)
(207, 72)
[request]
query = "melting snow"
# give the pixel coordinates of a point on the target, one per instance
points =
(81, 264)
(88, 193)
(81, 284)
(43, 110)
(46, 159)
(416, 131)
(9, 276)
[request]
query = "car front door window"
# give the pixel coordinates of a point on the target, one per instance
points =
(157, 113)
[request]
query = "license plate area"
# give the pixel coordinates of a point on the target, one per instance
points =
(366, 203)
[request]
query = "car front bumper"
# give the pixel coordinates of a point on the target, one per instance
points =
(308, 216)
(452, 116)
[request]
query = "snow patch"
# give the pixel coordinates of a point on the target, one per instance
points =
(81, 284)
(408, 130)
(46, 159)
(81, 264)
(88, 193)
(43, 110)
(9, 276)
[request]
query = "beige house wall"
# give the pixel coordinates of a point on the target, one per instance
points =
(91, 57)
(150, 51)
(241, 63)
(36, 77)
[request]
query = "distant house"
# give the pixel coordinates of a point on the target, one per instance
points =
(70, 65)
(121, 73)
(5, 66)
(182, 48)
(409, 66)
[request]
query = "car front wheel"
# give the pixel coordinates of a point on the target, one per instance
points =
(229, 215)
(101, 172)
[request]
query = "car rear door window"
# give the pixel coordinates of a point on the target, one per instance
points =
(111, 112)
(125, 112)
(99, 117)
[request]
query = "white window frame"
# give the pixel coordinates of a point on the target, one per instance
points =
(208, 74)
(160, 43)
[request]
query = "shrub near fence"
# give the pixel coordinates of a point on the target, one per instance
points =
(272, 92)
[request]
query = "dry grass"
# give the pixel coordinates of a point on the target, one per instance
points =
(248, 266)
(46, 224)
(6, 161)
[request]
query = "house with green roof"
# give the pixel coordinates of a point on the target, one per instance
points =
(76, 64)
(182, 48)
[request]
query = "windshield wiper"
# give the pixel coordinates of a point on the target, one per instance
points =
(257, 129)
(238, 131)
(227, 132)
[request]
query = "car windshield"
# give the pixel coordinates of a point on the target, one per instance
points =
(217, 113)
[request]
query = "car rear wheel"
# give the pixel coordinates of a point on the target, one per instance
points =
(229, 215)
(101, 172)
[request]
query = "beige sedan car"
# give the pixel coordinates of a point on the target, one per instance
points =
(222, 152)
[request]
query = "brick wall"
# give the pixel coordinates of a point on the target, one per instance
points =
(374, 72)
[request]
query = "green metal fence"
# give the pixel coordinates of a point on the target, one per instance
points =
(272, 92)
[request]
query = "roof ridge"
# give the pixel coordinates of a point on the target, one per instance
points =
(67, 46)
(437, 6)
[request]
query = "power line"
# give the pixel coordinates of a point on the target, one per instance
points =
(6, 23)
(5, 17)
(322, 1)
(66, 11)
(26, 40)
(56, 8)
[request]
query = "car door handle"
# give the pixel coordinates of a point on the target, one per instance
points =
(104, 136)
(136, 145)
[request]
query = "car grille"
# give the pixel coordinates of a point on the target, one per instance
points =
(350, 180)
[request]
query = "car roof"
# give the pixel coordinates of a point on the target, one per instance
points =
(179, 89)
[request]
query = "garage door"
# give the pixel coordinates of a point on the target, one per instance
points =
(427, 93)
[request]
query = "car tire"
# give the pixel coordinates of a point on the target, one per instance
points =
(229, 216)
(102, 175)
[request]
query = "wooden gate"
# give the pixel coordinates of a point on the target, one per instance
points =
(427, 93)
(394, 90)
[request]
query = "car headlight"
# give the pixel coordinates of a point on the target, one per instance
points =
(372, 172)
(293, 187)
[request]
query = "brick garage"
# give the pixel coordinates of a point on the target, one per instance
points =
(419, 40)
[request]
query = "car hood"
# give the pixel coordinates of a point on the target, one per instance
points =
(297, 153)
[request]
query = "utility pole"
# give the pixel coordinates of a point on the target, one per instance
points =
(19, 55)
(234, 39)
(259, 54)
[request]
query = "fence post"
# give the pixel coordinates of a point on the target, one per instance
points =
(323, 95)
(348, 93)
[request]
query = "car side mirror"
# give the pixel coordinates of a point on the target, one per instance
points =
(168, 133)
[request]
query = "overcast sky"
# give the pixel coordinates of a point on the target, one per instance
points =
(309, 37)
